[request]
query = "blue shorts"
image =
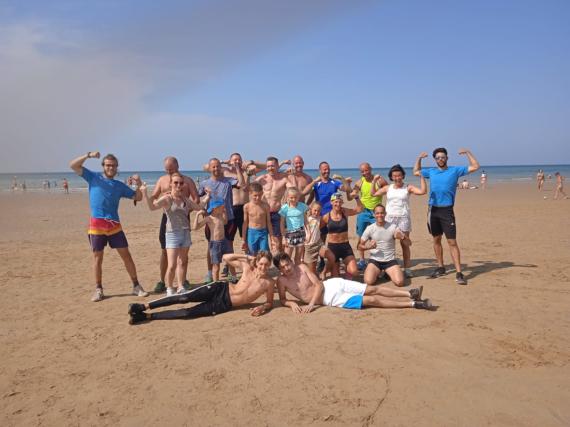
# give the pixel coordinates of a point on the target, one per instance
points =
(177, 239)
(218, 248)
(257, 240)
(363, 220)
(276, 223)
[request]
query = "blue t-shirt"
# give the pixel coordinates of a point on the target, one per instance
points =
(323, 193)
(443, 184)
(104, 194)
(220, 189)
(294, 217)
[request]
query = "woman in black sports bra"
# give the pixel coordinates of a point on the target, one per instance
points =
(337, 238)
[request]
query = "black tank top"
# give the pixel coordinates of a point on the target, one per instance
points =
(337, 227)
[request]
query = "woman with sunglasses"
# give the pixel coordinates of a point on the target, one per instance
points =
(337, 238)
(177, 209)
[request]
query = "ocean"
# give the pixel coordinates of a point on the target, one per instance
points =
(495, 174)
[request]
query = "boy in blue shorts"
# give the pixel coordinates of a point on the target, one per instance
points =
(256, 222)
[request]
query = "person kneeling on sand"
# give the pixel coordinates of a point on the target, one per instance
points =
(217, 297)
(304, 285)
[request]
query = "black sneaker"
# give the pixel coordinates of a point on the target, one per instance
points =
(460, 279)
(423, 304)
(439, 271)
(416, 293)
(136, 308)
(137, 317)
(160, 288)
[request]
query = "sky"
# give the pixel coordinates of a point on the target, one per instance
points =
(341, 81)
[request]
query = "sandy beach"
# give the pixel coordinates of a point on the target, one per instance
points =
(496, 352)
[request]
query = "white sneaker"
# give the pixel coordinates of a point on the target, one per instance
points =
(408, 273)
(170, 291)
(139, 291)
(98, 295)
(181, 290)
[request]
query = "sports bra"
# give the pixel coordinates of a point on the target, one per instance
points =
(337, 227)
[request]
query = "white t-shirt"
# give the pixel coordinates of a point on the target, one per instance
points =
(385, 244)
(397, 201)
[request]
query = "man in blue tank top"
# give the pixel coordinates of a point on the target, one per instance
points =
(441, 218)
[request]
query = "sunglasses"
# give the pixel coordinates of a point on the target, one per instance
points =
(440, 157)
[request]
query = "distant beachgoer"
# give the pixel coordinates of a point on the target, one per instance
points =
(337, 227)
(398, 207)
(483, 180)
(177, 208)
(65, 185)
(293, 223)
(14, 185)
(441, 218)
(163, 187)
(256, 222)
(105, 228)
(559, 186)
(365, 188)
(24, 186)
(464, 185)
(540, 179)
(274, 184)
(219, 297)
(304, 285)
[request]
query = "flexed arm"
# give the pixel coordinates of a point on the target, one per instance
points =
(418, 164)
(473, 163)
(77, 164)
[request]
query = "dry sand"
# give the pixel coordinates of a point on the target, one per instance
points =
(496, 352)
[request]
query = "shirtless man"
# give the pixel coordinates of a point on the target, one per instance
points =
(161, 188)
(540, 179)
(274, 185)
(217, 297)
(300, 178)
(559, 186)
(304, 285)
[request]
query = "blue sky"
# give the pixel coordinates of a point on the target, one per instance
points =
(331, 80)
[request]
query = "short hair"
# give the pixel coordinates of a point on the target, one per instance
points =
(324, 163)
(178, 174)
(396, 168)
(293, 190)
(109, 157)
(281, 256)
(439, 150)
(273, 159)
(255, 187)
(262, 254)
(235, 154)
(171, 159)
(315, 203)
(379, 205)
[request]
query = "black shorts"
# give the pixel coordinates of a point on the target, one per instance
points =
(383, 265)
(162, 232)
(229, 231)
(341, 250)
(238, 220)
(441, 220)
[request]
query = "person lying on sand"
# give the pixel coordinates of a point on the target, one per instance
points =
(304, 285)
(217, 297)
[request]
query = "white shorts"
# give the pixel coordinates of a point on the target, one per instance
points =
(404, 223)
(343, 293)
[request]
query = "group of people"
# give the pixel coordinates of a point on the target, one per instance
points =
(299, 219)
(559, 189)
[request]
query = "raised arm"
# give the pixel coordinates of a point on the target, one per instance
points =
(77, 164)
(199, 220)
(418, 191)
(418, 164)
(238, 260)
(309, 187)
(473, 163)
(359, 208)
(153, 204)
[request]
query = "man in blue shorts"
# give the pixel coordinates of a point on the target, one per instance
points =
(441, 218)
(105, 228)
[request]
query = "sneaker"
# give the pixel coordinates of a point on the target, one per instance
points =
(136, 308)
(187, 286)
(408, 274)
(160, 288)
(423, 304)
(361, 264)
(208, 278)
(139, 291)
(98, 295)
(181, 290)
(439, 271)
(416, 293)
(170, 291)
(460, 279)
(137, 317)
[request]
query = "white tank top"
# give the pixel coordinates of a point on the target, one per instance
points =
(397, 201)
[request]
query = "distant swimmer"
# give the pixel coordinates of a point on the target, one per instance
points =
(441, 218)
(218, 297)
(540, 179)
(483, 180)
(559, 186)
(105, 192)
(65, 185)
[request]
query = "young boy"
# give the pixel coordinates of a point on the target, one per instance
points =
(314, 246)
(256, 222)
(293, 219)
(216, 219)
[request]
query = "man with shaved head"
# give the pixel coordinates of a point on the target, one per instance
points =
(300, 178)
(163, 187)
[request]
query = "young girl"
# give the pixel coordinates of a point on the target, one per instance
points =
(293, 219)
(314, 246)
(398, 207)
(177, 209)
